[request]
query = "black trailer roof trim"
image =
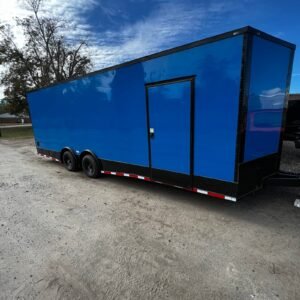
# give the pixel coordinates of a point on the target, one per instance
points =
(179, 48)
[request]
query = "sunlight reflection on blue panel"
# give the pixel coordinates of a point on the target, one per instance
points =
(269, 70)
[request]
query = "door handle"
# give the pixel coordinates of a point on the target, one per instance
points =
(151, 132)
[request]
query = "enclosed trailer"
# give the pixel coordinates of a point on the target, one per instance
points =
(207, 116)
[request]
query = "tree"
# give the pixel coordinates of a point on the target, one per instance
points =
(46, 57)
(3, 106)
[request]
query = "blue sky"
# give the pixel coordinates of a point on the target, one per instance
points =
(119, 30)
(134, 28)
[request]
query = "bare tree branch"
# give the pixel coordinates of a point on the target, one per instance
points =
(45, 58)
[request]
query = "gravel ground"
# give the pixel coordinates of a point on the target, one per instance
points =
(64, 236)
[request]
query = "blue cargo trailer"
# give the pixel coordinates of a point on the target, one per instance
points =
(207, 116)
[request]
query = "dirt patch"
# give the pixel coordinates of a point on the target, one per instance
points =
(64, 236)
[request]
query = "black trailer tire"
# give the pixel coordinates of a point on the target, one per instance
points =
(69, 161)
(90, 166)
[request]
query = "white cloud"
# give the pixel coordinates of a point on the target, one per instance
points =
(172, 20)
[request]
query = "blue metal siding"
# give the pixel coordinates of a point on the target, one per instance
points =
(268, 80)
(217, 67)
(106, 112)
(169, 116)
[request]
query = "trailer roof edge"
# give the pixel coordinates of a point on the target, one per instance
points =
(228, 34)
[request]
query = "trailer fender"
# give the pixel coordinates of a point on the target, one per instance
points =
(68, 149)
(73, 153)
(87, 151)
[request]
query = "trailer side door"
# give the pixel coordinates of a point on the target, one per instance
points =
(170, 125)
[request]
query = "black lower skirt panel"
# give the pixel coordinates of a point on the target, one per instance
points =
(163, 176)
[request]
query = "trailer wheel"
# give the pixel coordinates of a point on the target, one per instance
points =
(69, 161)
(90, 166)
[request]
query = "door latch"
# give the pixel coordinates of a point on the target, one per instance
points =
(151, 132)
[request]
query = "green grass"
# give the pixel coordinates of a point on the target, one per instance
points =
(16, 132)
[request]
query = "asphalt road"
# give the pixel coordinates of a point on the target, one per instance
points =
(64, 236)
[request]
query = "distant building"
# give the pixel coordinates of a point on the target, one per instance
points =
(12, 119)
